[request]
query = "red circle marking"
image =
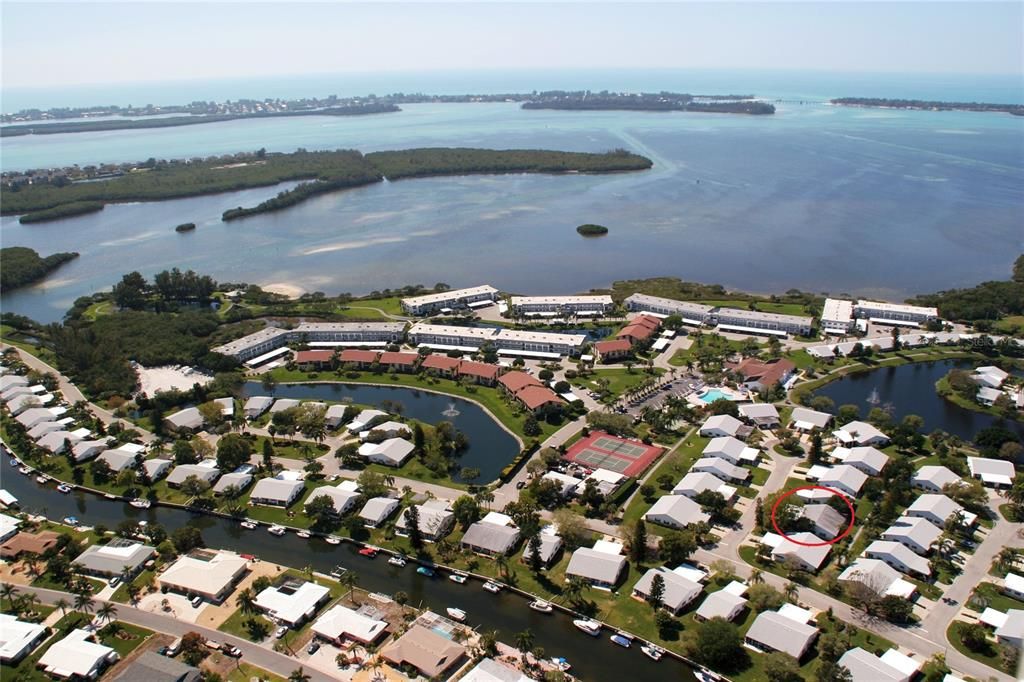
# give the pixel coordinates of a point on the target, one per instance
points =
(844, 498)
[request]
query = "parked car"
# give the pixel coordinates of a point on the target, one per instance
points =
(115, 581)
(313, 647)
(212, 644)
(197, 601)
(173, 648)
(280, 632)
(232, 651)
(520, 485)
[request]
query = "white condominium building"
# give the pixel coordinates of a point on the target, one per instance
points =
(272, 338)
(443, 336)
(456, 298)
(837, 316)
(692, 313)
(879, 310)
(539, 342)
(742, 320)
(577, 305)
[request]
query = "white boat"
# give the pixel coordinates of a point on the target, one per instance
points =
(624, 642)
(277, 530)
(25, 470)
(110, 496)
(64, 488)
(71, 521)
(705, 676)
(457, 578)
(652, 652)
(492, 587)
(561, 664)
(304, 534)
(456, 614)
(542, 606)
(41, 480)
(591, 627)
(141, 503)
(333, 540)
(248, 525)
(396, 561)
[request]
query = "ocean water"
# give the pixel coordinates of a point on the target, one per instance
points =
(827, 199)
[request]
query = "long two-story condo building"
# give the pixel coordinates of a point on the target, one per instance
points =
(511, 342)
(694, 314)
(456, 298)
(581, 306)
(757, 322)
(327, 334)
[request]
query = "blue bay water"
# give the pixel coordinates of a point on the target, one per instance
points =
(845, 200)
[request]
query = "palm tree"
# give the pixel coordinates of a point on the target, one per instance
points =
(83, 602)
(792, 592)
(573, 590)
(524, 642)
(63, 605)
(501, 561)
(349, 580)
(246, 601)
(8, 592)
(26, 603)
(756, 577)
(299, 675)
(106, 612)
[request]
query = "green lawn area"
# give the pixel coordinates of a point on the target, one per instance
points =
(235, 625)
(12, 336)
(758, 476)
(763, 306)
(141, 580)
(619, 380)
(1011, 324)
(291, 449)
(246, 672)
(676, 463)
(711, 340)
(993, 597)
(989, 656)
(130, 638)
(511, 415)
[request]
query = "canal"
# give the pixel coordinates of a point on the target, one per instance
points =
(591, 658)
(910, 389)
(490, 449)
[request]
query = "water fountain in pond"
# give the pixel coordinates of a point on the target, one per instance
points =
(451, 411)
(873, 399)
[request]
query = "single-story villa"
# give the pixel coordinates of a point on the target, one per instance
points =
(782, 631)
(293, 601)
(114, 558)
(721, 425)
(207, 573)
(763, 415)
(807, 420)
(19, 638)
(425, 650)
(390, 452)
(934, 478)
(342, 497)
(77, 657)
(676, 511)
(598, 566)
(860, 433)
(377, 510)
(899, 557)
(340, 623)
(679, 592)
(997, 473)
(277, 492)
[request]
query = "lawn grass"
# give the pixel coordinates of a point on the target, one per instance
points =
(676, 463)
(989, 656)
(993, 597)
(132, 637)
(619, 380)
(246, 672)
(235, 625)
(141, 580)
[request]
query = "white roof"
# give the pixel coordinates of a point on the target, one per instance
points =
(678, 592)
(189, 418)
(446, 296)
(378, 508)
(758, 410)
(699, 481)
(905, 664)
(845, 475)
(868, 456)
(426, 329)
(991, 470)
(921, 532)
(878, 575)
(812, 417)
(731, 449)
(341, 497)
(8, 525)
(1014, 582)
(781, 633)
(940, 506)
(795, 613)
(608, 547)
(16, 635)
(784, 546)
(277, 489)
(691, 571)
(1013, 628)
(837, 310)
(858, 432)
(723, 422)
(386, 427)
(939, 476)
(866, 667)
(720, 604)
(289, 604)
(193, 572)
(717, 465)
(340, 620)
(364, 418)
(74, 655)
(900, 553)
(282, 404)
(227, 406)
(489, 670)
(992, 617)
(898, 308)
(394, 450)
(519, 335)
(606, 476)
(681, 510)
(561, 300)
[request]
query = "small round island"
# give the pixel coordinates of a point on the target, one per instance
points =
(591, 230)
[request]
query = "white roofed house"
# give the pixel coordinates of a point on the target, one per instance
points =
(118, 460)
(837, 316)
(938, 509)
(334, 415)
(934, 478)
(37, 415)
(844, 478)
(899, 557)
(364, 419)
(188, 419)
(203, 472)
(1011, 631)
(87, 449)
(599, 566)
(282, 404)
(892, 666)
(550, 546)
(1013, 585)
(342, 497)
(721, 468)
(238, 479)
(781, 631)
(18, 638)
(256, 405)
(990, 376)
(292, 601)
(277, 492)
(726, 603)
(696, 482)
(57, 441)
(860, 433)
(389, 429)
(808, 556)
(77, 656)
(805, 419)
(868, 459)
(156, 468)
(826, 522)
(731, 449)
(724, 425)
(340, 623)
(915, 533)
(679, 591)
(435, 520)
(114, 558)
(9, 381)
(377, 510)
(997, 473)
(877, 577)
(211, 574)
(391, 452)
(43, 428)
(763, 415)
(494, 535)
(676, 511)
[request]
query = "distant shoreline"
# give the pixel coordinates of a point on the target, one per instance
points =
(928, 105)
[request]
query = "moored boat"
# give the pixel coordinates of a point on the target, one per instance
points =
(277, 530)
(397, 561)
(248, 525)
(622, 641)
(71, 520)
(459, 578)
(591, 627)
(141, 503)
(492, 587)
(456, 614)
(41, 479)
(64, 488)
(652, 652)
(425, 570)
(561, 664)
(541, 606)
(25, 470)
(304, 534)
(333, 540)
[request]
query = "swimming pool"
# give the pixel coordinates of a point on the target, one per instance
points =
(713, 394)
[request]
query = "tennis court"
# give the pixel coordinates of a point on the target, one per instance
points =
(603, 451)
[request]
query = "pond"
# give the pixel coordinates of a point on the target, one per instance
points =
(490, 449)
(910, 389)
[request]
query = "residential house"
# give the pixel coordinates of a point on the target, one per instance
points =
(490, 670)
(314, 359)
(914, 533)
(720, 425)
(202, 471)
(762, 415)
(426, 651)
(721, 468)
(726, 603)
(256, 405)
(891, 666)
(239, 480)
(391, 451)
(612, 350)
(807, 420)
(860, 433)
(1013, 585)
(598, 566)
(899, 557)
(156, 468)
(365, 419)
(440, 365)
(997, 473)
(19, 638)
(185, 420)
(826, 522)
(802, 549)
(845, 479)
(152, 667)
(342, 497)
(377, 510)
(482, 373)
(877, 577)
(358, 359)
(676, 511)
(934, 478)
(759, 375)
(87, 449)
(398, 361)
(77, 656)
(550, 546)
(1011, 632)
(292, 602)
(494, 535)
(118, 460)
(679, 592)
(697, 482)
(731, 449)
(781, 631)
(938, 509)
(211, 574)
(340, 623)
(868, 459)
(277, 492)
(120, 556)
(435, 520)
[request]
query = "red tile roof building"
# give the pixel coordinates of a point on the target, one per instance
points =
(392, 359)
(481, 372)
(360, 357)
(536, 397)
(760, 375)
(640, 328)
(515, 381)
(313, 357)
(611, 350)
(442, 363)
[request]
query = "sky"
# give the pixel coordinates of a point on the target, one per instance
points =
(47, 44)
